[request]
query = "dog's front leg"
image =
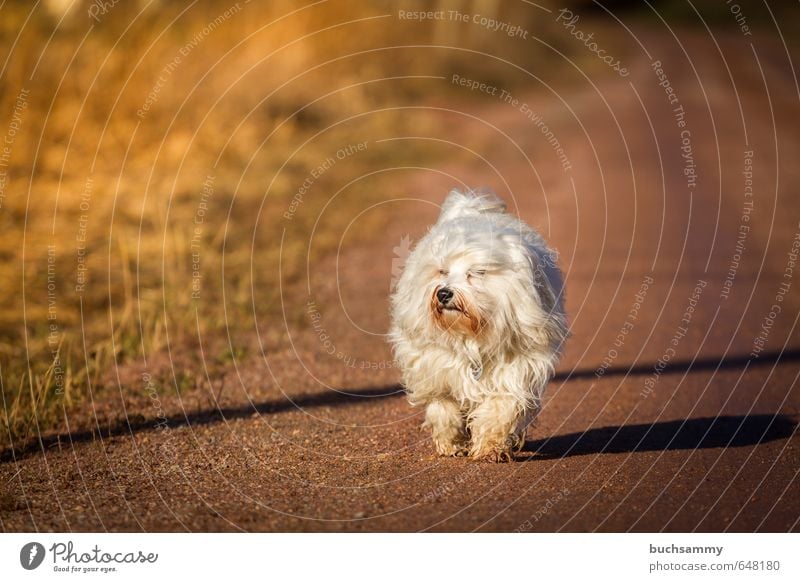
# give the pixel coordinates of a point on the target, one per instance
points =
(494, 427)
(446, 422)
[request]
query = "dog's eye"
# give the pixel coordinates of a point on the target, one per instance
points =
(478, 273)
(443, 272)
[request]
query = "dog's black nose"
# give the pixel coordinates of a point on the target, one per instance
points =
(444, 295)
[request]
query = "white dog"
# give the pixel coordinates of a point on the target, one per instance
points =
(478, 322)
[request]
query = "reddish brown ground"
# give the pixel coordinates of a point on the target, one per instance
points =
(306, 442)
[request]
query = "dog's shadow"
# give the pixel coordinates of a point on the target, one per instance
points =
(137, 423)
(689, 434)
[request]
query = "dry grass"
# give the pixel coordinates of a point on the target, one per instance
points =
(95, 187)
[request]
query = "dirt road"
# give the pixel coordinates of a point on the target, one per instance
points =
(675, 406)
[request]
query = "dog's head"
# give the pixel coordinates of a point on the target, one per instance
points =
(478, 275)
(479, 280)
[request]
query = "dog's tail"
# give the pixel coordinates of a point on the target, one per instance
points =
(471, 202)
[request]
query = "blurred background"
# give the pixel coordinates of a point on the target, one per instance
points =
(122, 114)
(179, 179)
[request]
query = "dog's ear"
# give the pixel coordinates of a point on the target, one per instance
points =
(471, 202)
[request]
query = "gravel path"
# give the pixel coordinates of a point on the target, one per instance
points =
(705, 440)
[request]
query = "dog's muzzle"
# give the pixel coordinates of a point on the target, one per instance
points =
(444, 296)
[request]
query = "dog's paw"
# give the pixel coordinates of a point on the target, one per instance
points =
(495, 454)
(451, 448)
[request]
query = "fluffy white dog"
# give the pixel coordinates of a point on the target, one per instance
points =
(478, 322)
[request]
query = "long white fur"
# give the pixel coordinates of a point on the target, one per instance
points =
(480, 387)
